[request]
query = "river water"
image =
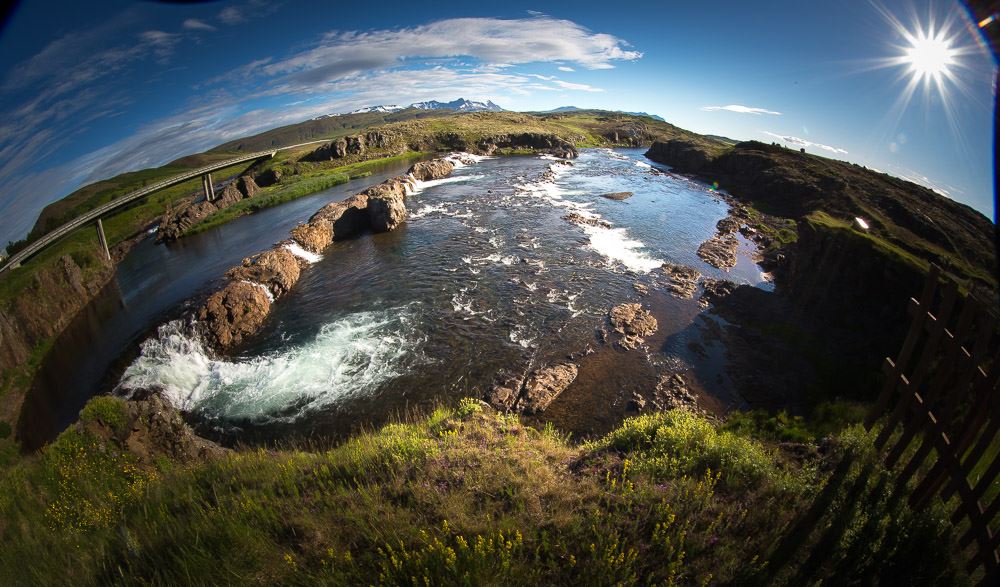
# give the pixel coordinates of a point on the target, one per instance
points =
(485, 277)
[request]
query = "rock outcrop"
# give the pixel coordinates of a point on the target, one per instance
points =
(631, 322)
(683, 156)
(154, 429)
(192, 211)
(536, 141)
(535, 392)
(352, 145)
(720, 250)
(235, 312)
(277, 269)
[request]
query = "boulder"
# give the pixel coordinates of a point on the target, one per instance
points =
(387, 212)
(269, 177)
(235, 312)
(229, 196)
(544, 385)
(428, 170)
(277, 269)
(632, 322)
(617, 195)
(176, 221)
(247, 186)
(314, 236)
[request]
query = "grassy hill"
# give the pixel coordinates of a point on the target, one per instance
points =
(461, 496)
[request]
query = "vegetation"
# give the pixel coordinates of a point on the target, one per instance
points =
(463, 496)
(296, 186)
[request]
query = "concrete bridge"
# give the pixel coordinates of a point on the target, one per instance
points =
(95, 215)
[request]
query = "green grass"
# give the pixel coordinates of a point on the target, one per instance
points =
(292, 187)
(461, 496)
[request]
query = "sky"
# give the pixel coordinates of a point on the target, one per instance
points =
(92, 89)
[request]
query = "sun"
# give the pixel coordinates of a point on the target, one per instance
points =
(929, 57)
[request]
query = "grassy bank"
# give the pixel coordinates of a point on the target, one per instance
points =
(462, 496)
(297, 186)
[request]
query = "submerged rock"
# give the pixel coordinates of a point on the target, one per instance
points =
(720, 251)
(235, 312)
(544, 385)
(617, 195)
(632, 322)
(576, 218)
(683, 279)
(533, 393)
(672, 393)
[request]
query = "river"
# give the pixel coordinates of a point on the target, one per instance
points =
(486, 276)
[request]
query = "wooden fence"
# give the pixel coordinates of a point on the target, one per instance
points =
(940, 434)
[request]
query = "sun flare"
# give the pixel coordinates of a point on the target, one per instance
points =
(929, 56)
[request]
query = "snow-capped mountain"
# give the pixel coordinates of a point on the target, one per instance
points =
(379, 108)
(461, 104)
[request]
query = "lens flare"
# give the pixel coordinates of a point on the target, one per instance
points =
(929, 56)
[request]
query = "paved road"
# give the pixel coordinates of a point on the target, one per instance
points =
(51, 237)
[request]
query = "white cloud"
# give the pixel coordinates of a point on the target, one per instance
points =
(564, 68)
(740, 109)
(193, 24)
(492, 40)
(231, 15)
(800, 142)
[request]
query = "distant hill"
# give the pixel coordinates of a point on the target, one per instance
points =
(576, 109)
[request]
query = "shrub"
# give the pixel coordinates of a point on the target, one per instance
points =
(107, 410)
(668, 445)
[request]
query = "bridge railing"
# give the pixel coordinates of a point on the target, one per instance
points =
(60, 232)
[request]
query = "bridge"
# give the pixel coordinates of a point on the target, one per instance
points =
(96, 214)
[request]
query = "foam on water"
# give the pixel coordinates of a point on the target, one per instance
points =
(427, 209)
(351, 356)
(420, 186)
(615, 244)
(297, 250)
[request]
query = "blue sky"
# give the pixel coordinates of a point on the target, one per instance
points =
(89, 90)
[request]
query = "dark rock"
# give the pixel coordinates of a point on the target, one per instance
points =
(631, 322)
(683, 156)
(617, 195)
(534, 393)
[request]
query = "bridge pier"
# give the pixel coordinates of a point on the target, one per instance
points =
(103, 239)
(209, 188)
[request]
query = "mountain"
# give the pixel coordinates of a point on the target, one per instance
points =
(461, 105)
(575, 109)
(379, 108)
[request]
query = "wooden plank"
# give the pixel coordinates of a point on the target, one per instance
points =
(909, 343)
(936, 327)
